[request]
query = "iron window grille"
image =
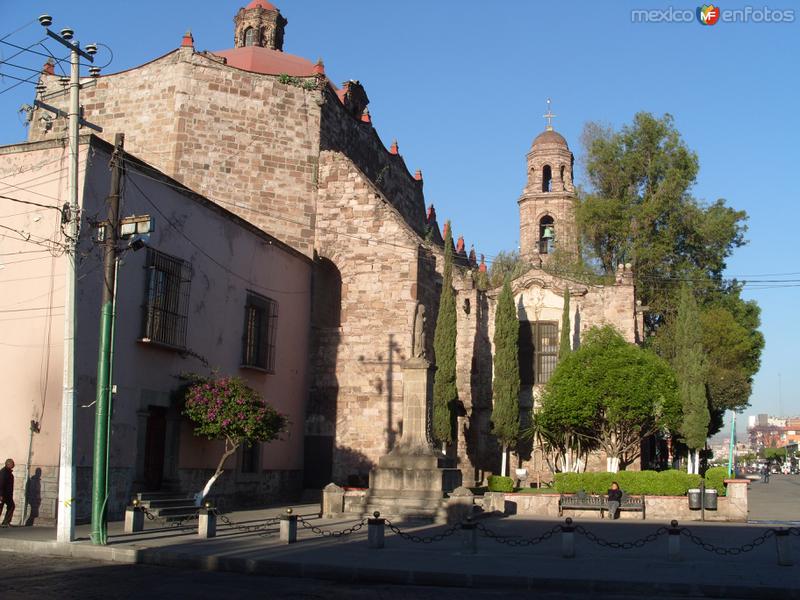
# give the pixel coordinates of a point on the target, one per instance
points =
(545, 349)
(260, 325)
(538, 351)
(165, 312)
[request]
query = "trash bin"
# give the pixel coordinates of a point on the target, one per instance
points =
(711, 499)
(695, 499)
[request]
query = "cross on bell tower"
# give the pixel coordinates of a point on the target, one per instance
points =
(549, 116)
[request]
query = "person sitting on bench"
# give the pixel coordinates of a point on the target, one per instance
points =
(614, 500)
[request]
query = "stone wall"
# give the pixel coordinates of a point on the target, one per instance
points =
(358, 141)
(730, 508)
(242, 139)
(380, 259)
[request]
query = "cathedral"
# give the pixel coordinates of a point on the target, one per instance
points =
(269, 137)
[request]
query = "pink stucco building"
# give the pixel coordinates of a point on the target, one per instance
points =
(182, 305)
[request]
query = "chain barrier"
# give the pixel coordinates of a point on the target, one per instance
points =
(261, 528)
(515, 540)
(175, 523)
(729, 551)
(643, 541)
(423, 539)
(331, 534)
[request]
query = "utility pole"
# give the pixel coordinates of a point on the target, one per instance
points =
(71, 217)
(101, 414)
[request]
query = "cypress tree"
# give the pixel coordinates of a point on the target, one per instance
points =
(505, 387)
(690, 369)
(564, 346)
(445, 392)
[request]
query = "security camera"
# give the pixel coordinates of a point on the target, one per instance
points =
(45, 20)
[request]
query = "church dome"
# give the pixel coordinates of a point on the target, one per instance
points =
(549, 138)
(260, 4)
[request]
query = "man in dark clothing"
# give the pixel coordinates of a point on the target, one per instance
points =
(614, 500)
(7, 491)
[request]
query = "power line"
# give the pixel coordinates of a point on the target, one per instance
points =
(56, 208)
(18, 29)
(206, 254)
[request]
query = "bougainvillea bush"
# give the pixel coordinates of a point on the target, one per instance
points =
(226, 408)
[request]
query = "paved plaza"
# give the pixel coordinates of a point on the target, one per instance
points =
(500, 563)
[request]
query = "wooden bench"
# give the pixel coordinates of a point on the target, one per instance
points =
(584, 501)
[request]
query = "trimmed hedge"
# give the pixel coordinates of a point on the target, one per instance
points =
(499, 483)
(651, 483)
(715, 478)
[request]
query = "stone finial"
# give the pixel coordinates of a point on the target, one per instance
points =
(473, 259)
(482, 266)
(49, 67)
(319, 67)
(188, 40)
(418, 175)
(431, 214)
(394, 148)
(460, 245)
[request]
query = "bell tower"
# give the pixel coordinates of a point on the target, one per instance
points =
(259, 24)
(547, 204)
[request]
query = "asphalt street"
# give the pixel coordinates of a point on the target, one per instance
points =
(25, 576)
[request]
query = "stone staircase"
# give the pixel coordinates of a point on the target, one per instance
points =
(172, 506)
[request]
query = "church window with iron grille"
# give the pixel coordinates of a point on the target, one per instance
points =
(538, 351)
(165, 312)
(260, 325)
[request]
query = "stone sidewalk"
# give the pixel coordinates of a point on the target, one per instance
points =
(639, 571)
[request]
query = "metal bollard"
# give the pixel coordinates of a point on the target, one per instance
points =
(568, 539)
(469, 537)
(375, 531)
(674, 541)
(134, 518)
(784, 547)
(288, 528)
(207, 522)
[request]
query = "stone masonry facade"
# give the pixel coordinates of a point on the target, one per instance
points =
(299, 158)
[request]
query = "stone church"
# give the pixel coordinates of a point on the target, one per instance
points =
(268, 136)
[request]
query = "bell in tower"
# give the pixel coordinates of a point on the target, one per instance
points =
(259, 24)
(547, 204)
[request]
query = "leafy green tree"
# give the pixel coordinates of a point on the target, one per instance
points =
(690, 367)
(612, 394)
(507, 266)
(445, 393)
(639, 210)
(505, 387)
(228, 409)
(564, 347)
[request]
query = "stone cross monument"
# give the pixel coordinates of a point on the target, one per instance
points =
(408, 480)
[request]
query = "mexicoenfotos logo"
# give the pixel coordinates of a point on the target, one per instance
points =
(708, 14)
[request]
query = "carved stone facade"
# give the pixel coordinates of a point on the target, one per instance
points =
(268, 136)
(259, 24)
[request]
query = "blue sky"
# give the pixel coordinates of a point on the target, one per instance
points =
(462, 86)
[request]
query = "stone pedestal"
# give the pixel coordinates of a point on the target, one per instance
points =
(409, 481)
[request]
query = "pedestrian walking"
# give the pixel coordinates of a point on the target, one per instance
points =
(614, 500)
(7, 492)
(765, 472)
